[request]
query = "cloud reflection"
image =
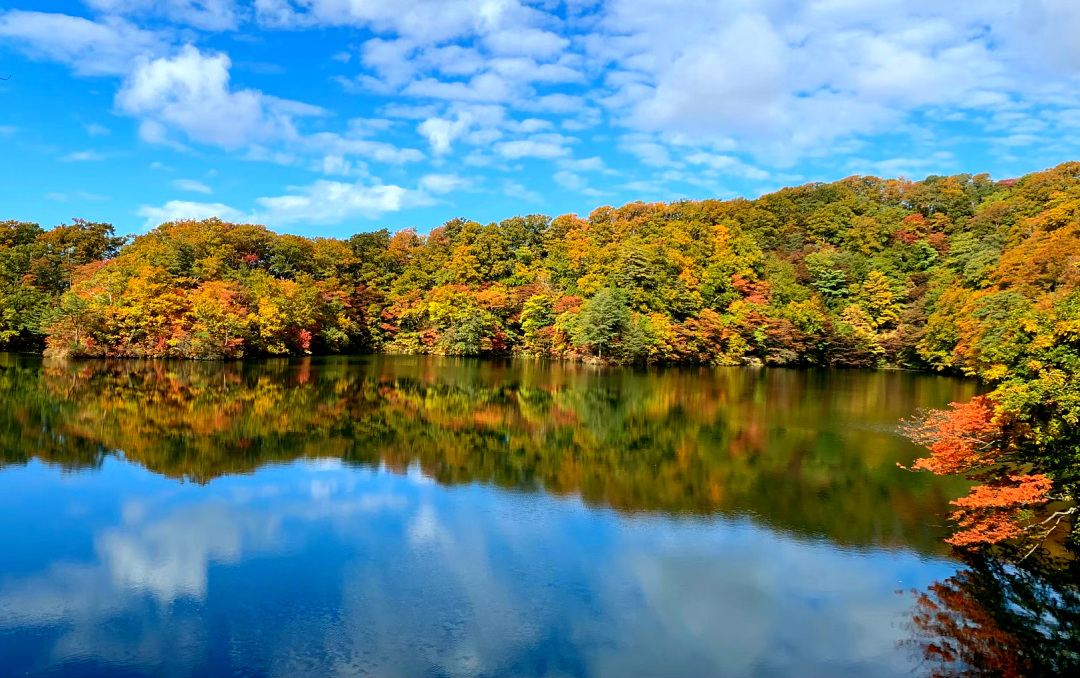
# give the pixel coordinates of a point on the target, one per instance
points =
(333, 571)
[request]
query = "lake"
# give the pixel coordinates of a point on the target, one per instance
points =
(394, 515)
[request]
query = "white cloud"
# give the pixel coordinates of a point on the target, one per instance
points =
(477, 123)
(593, 164)
(77, 195)
(389, 58)
(396, 109)
(485, 87)
(788, 79)
(178, 210)
(190, 92)
(525, 41)
(211, 15)
(727, 164)
(574, 182)
(326, 202)
(336, 144)
(363, 84)
(517, 190)
(538, 146)
(444, 183)
(96, 130)
(337, 165)
(525, 148)
(912, 168)
(441, 132)
(647, 150)
(555, 103)
(452, 60)
(83, 156)
(736, 79)
(522, 70)
(531, 125)
(420, 21)
(191, 185)
(569, 181)
(105, 47)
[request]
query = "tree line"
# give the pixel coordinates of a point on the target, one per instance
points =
(861, 272)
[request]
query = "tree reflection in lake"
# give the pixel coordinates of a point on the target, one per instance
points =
(998, 619)
(810, 451)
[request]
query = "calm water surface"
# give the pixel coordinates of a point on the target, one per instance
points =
(424, 516)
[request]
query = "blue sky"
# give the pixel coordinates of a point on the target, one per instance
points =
(328, 117)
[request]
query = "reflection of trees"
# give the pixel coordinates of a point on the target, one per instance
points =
(809, 451)
(997, 619)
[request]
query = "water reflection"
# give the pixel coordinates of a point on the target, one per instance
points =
(813, 452)
(386, 574)
(403, 516)
(998, 619)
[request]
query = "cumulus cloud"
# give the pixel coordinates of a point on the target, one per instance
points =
(537, 146)
(83, 156)
(77, 195)
(335, 164)
(795, 76)
(525, 41)
(191, 92)
(444, 183)
(514, 189)
(476, 123)
(647, 149)
(105, 47)
(593, 164)
(485, 87)
(420, 21)
(192, 185)
(727, 164)
(349, 144)
(177, 210)
(326, 202)
(211, 15)
(322, 202)
(441, 132)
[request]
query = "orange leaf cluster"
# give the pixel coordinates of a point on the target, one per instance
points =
(959, 439)
(990, 513)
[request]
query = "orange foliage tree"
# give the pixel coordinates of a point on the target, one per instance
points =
(968, 439)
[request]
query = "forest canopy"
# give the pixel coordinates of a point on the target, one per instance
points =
(860, 272)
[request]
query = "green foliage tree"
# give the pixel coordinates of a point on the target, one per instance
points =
(602, 320)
